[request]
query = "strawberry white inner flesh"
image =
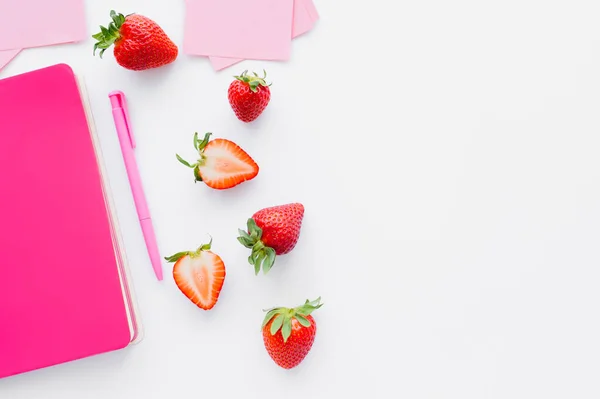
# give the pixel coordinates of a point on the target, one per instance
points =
(225, 161)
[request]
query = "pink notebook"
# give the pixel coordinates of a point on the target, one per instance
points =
(65, 290)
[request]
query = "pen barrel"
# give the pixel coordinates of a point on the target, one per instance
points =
(150, 238)
(133, 173)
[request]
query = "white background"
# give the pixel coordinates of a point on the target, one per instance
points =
(447, 156)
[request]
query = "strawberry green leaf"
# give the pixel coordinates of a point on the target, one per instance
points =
(285, 316)
(204, 142)
(302, 320)
(315, 302)
(197, 176)
(256, 268)
(254, 86)
(309, 307)
(270, 261)
(179, 255)
(286, 330)
(244, 234)
(260, 259)
(108, 36)
(196, 141)
(245, 239)
(183, 161)
(118, 19)
(267, 265)
(253, 229)
(206, 247)
(112, 30)
(176, 257)
(252, 261)
(277, 324)
(257, 258)
(247, 242)
(261, 256)
(240, 77)
(253, 82)
(268, 317)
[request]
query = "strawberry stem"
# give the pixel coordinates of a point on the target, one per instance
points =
(283, 317)
(108, 36)
(253, 81)
(205, 247)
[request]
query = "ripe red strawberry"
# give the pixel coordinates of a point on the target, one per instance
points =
(222, 164)
(200, 275)
(272, 231)
(289, 334)
(139, 42)
(249, 96)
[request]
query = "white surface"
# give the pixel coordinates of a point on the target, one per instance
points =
(447, 156)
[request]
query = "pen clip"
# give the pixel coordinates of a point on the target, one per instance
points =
(118, 101)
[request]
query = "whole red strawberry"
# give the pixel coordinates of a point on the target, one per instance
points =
(249, 96)
(139, 42)
(272, 231)
(288, 334)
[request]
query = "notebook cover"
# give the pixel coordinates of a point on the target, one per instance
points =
(60, 293)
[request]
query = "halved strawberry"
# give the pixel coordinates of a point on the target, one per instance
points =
(222, 164)
(200, 275)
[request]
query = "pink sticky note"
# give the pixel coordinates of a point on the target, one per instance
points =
(35, 23)
(302, 22)
(6, 56)
(232, 28)
(312, 10)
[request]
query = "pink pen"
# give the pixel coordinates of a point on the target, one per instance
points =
(121, 116)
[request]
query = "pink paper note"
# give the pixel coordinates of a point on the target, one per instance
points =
(302, 22)
(35, 23)
(6, 56)
(312, 10)
(232, 28)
